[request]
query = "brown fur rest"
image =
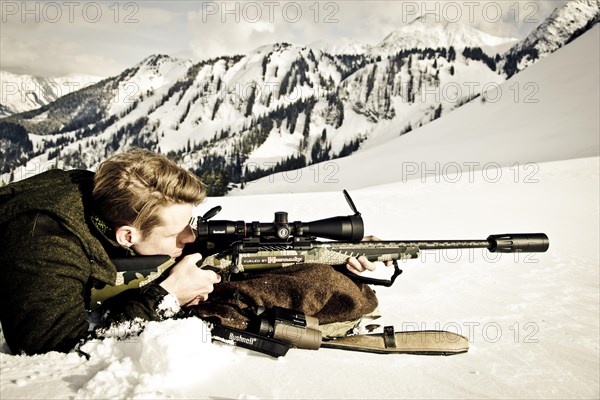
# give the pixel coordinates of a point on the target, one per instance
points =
(317, 290)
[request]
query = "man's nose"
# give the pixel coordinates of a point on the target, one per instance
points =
(188, 235)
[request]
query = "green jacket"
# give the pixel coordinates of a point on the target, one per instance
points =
(54, 250)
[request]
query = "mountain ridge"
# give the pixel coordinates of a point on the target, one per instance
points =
(565, 24)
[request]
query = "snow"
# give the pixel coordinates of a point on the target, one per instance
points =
(282, 144)
(558, 28)
(152, 73)
(340, 46)
(532, 320)
(20, 93)
(432, 31)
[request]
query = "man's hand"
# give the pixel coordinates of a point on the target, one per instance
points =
(361, 264)
(189, 283)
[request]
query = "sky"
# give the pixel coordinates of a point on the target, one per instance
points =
(102, 38)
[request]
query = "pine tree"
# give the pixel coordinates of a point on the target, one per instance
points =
(451, 54)
(250, 102)
(437, 113)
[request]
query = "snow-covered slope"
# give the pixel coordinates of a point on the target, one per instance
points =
(547, 112)
(149, 75)
(559, 27)
(20, 93)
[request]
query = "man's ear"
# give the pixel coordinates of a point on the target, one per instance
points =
(127, 235)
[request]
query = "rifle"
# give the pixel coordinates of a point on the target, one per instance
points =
(255, 246)
(240, 248)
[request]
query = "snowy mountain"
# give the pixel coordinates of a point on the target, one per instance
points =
(234, 119)
(432, 31)
(77, 119)
(20, 93)
(553, 115)
(564, 25)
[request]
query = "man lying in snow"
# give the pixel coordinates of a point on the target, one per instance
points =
(60, 229)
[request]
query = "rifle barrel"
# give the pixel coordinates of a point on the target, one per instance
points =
(448, 244)
(504, 243)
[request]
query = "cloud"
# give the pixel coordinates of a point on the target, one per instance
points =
(104, 38)
(220, 28)
(98, 38)
(62, 58)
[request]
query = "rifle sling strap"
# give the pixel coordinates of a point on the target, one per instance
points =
(389, 337)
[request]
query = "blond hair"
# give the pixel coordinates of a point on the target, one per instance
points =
(130, 188)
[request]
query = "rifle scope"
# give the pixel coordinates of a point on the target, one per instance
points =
(348, 228)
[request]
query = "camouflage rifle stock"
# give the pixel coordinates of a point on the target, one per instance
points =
(253, 256)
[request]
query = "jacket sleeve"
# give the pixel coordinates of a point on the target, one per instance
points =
(146, 303)
(44, 281)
